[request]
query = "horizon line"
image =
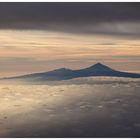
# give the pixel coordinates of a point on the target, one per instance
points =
(65, 68)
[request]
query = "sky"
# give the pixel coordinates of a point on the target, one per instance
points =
(38, 37)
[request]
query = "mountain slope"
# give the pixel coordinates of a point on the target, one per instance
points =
(65, 74)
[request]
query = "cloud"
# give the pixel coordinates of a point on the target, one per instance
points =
(68, 12)
(115, 19)
(16, 61)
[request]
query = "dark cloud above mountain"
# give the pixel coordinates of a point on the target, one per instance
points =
(100, 18)
(69, 12)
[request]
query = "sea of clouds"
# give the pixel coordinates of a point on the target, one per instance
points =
(82, 107)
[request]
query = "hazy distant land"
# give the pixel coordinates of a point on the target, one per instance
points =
(64, 75)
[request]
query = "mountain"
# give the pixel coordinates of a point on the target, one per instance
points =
(64, 74)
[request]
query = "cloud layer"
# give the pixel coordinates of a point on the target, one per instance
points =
(121, 19)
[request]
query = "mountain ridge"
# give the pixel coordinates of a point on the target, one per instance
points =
(97, 69)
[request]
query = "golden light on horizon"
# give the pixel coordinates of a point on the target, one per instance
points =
(27, 51)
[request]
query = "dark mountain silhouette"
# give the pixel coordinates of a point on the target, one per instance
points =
(65, 74)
